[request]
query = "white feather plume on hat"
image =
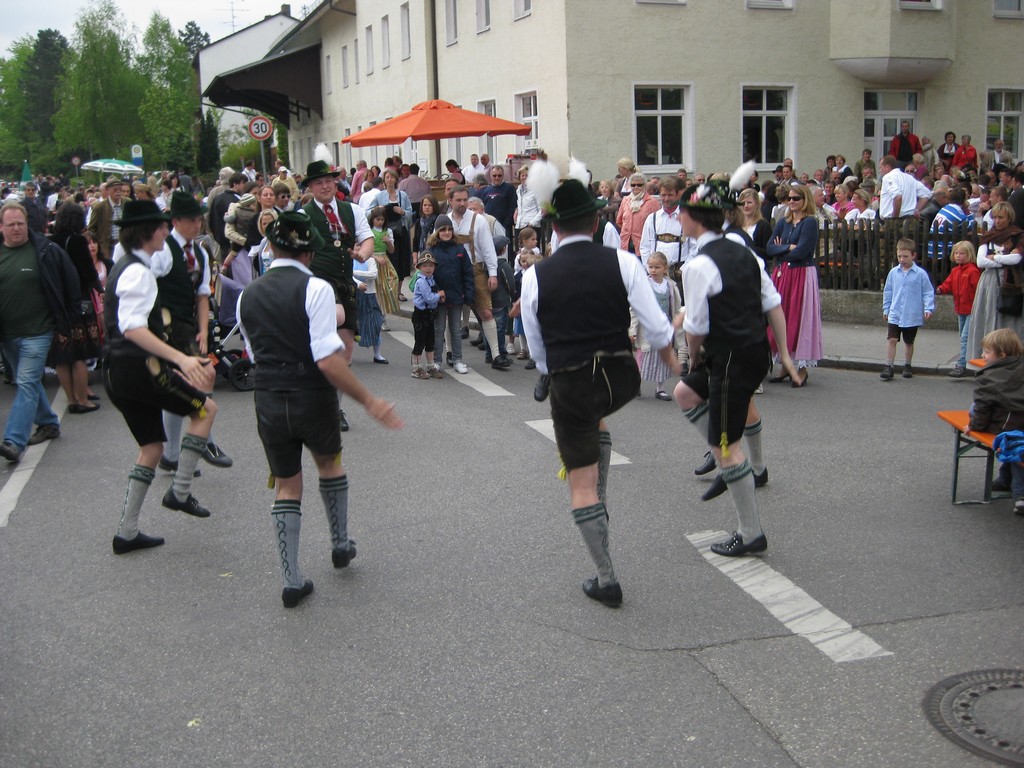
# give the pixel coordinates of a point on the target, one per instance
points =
(321, 152)
(543, 181)
(741, 176)
(578, 170)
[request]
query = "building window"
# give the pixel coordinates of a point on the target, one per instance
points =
(451, 22)
(487, 142)
(337, 154)
(522, 8)
(483, 15)
(661, 2)
(765, 124)
(406, 33)
(385, 42)
(1008, 9)
(883, 113)
(774, 5)
(1003, 120)
(921, 5)
(344, 66)
(355, 58)
(348, 149)
(660, 116)
(328, 86)
(526, 113)
(369, 50)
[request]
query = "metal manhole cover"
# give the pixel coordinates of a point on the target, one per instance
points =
(982, 712)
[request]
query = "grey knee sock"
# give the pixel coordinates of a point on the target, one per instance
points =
(287, 516)
(740, 480)
(604, 444)
(593, 524)
(192, 447)
(698, 416)
(334, 492)
(173, 424)
(490, 331)
(139, 480)
(752, 441)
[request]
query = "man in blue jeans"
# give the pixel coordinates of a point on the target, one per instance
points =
(38, 291)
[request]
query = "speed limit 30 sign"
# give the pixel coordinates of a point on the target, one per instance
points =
(260, 128)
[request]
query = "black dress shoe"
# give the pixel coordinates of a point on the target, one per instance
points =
(707, 466)
(79, 409)
(542, 388)
(478, 342)
(734, 546)
(343, 421)
(380, 360)
(189, 506)
(761, 480)
(530, 365)
(502, 363)
(718, 487)
(94, 398)
(214, 455)
(779, 379)
(609, 594)
(172, 466)
(292, 596)
(342, 556)
(141, 541)
(663, 395)
(465, 331)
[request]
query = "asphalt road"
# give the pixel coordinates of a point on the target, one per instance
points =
(460, 636)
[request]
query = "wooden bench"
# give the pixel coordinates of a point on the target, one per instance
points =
(963, 445)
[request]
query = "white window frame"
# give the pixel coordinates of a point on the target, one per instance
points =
(660, 2)
(487, 107)
(1002, 113)
(385, 42)
(406, 33)
(369, 49)
(344, 66)
(328, 77)
(483, 15)
(1017, 13)
(789, 133)
(686, 123)
(770, 5)
(920, 5)
(522, 101)
(451, 21)
(355, 57)
(521, 9)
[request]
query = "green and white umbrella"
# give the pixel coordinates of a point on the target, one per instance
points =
(111, 165)
(26, 174)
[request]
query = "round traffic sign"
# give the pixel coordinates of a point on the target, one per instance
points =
(76, 161)
(260, 128)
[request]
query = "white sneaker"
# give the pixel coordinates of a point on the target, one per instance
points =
(461, 367)
(510, 349)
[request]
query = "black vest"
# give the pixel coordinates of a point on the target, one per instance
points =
(118, 347)
(333, 264)
(178, 288)
(737, 319)
(582, 306)
(273, 311)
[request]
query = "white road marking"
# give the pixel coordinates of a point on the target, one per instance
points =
(547, 428)
(21, 472)
(798, 611)
(473, 380)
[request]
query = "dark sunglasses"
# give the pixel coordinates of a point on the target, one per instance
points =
(636, 185)
(795, 199)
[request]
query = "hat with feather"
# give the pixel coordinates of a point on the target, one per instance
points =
(566, 200)
(717, 194)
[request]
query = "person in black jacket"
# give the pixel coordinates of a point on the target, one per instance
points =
(38, 294)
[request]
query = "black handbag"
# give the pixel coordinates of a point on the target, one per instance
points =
(1011, 293)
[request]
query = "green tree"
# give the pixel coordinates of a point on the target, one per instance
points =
(43, 71)
(193, 38)
(171, 100)
(282, 143)
(208, 153)
(14, 146)
(101, 89)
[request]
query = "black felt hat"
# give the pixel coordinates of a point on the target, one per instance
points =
(318, 169)
(712, 195)
(184, 206)
(140, 212)
(293, 231)
(571, 199)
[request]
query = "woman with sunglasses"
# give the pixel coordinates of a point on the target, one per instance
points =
(795, 276)
(633, 212)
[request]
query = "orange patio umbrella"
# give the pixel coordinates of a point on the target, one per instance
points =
(431, 120)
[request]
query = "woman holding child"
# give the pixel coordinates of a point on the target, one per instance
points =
(999, 256)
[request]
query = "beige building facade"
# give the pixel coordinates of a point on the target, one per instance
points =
(700, 84)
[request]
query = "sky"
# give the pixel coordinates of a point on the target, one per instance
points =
(27, 17)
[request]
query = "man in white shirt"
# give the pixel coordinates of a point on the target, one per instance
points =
(901, 194)
(474, 169)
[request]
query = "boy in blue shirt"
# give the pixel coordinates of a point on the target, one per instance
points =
(907, 302)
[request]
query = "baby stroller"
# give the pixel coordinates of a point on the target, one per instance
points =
(233, 364)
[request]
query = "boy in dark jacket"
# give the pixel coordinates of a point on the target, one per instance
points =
(999, 402)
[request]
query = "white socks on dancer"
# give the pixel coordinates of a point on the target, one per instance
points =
(740, 481)
(139, 480)
(593, 524)
(287, 517)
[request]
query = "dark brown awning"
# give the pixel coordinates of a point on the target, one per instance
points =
(279, 86)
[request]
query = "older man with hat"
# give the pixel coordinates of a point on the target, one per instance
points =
(344, 235)
(289, 326)
(578, 332)
(728, 294)
(144, 375)
(182, 270)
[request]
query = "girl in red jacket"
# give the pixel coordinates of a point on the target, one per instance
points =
(962, 283)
